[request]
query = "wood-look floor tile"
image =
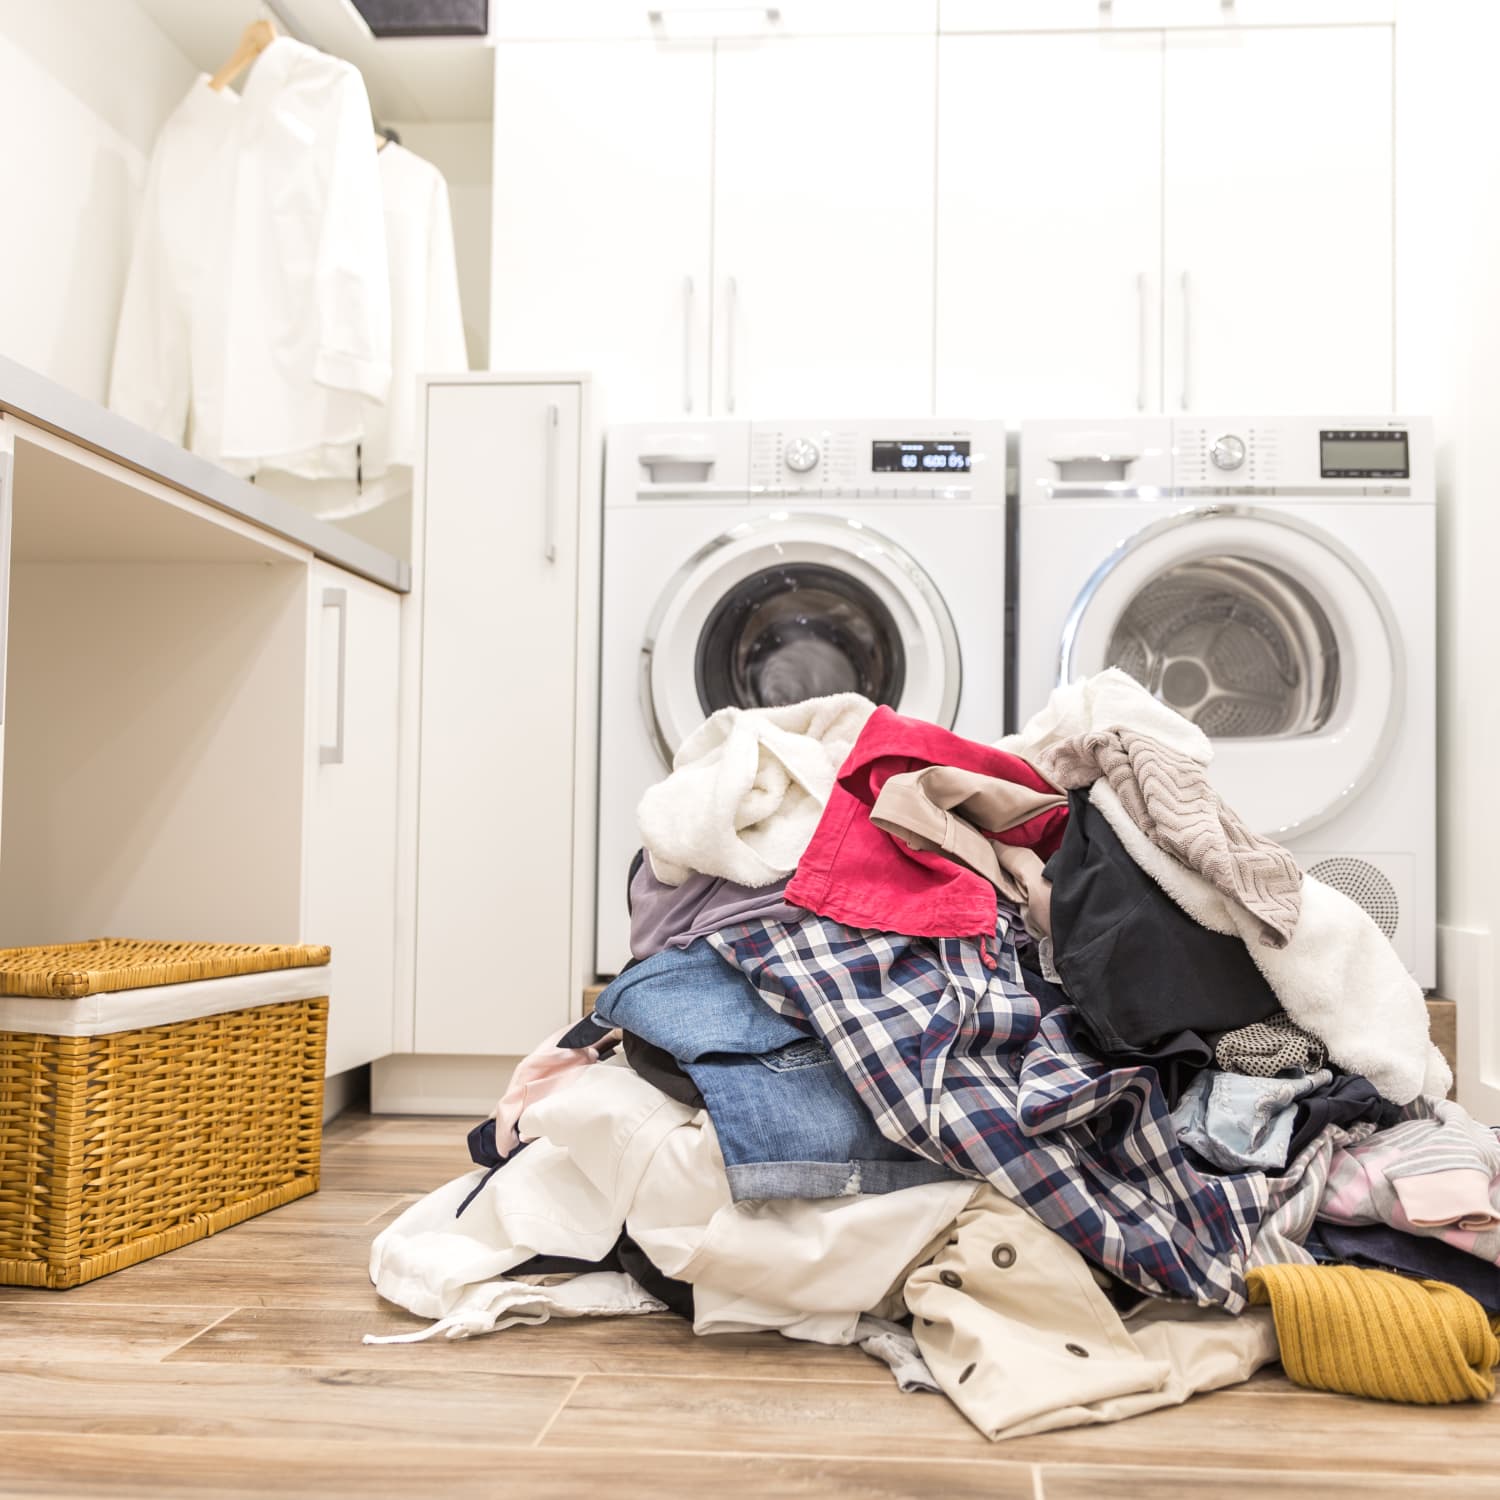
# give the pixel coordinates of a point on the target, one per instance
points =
(328, 1208)
(278, 1404)
(659, 1344)
(50, 1326)
(818, 1418)
(361, 1168)
(447, 1132)
(145, 1468)
(1332, 1483)
(1298, 1430)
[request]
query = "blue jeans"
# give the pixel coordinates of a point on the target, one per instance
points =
(789, 1122)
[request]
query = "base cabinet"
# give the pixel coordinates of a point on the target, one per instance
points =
(355, 639)
(505, 642)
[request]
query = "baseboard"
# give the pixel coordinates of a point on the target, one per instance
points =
(347, 1090)
(1466, 975)
(438, 1084)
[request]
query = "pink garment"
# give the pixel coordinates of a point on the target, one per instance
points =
(1459, 1196)
(862, 876)
(544, 1070)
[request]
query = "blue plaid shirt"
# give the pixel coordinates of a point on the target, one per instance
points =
(955, 1060)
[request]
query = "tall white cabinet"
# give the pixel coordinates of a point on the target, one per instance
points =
(499, 787)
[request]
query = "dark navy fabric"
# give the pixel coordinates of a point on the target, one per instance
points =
(1387, 1249)
(789, 1122)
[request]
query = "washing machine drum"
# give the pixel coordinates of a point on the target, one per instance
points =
(793, 607)
(1269, 635)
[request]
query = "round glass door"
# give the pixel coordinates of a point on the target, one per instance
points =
(790, 607)
(1268, 634)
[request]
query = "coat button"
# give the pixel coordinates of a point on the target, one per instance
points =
(1004, 1256)
(950, 1278)
(968, 1371)
(1077, 1349)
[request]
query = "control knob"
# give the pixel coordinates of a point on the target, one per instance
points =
(801, 455)
(1228, 452)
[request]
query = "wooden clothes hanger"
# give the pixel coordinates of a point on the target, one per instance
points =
(254, 40)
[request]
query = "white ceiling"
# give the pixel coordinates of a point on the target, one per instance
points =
(415, 78)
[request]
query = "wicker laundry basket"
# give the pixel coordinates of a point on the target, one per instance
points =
(151, 1094)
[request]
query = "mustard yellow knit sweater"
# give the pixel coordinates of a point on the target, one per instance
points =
(1372, 1333)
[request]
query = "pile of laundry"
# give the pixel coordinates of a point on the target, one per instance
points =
(1028, 1068)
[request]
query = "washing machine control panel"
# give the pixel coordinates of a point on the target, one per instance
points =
(915, 460)
(1297, 455)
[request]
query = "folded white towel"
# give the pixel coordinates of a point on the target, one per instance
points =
(747, 789)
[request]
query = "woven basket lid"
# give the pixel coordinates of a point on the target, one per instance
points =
(65, 971)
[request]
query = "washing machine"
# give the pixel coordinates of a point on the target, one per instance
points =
(761, 563)
(1272, 578)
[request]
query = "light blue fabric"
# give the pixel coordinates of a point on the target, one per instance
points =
(789, 1122)
(1237, 1121)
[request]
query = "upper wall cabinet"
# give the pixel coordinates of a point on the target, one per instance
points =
(677, 20)
(602, 218)
(823, 226)
(1278, 204)
(1049, 228)
(1117, 15)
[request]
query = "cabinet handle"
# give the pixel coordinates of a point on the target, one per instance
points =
(1187, 342)
(7, 514)
(1140, 341)
(731, 319)
(333, 755)
(549, 512)
(687, 343)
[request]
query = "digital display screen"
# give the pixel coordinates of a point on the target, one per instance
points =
(920, 456)
(1365, 455)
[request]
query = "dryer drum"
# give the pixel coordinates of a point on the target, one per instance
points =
(795, 631)
(1236, 645)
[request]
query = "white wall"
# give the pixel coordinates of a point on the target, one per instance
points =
(84, 88)
(1448, 364)
(461, 151)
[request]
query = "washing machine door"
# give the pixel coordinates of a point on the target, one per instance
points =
(789, 607)
(1269, 634)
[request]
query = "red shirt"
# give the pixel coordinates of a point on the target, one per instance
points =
(862, 876)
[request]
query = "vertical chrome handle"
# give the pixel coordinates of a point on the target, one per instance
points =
(1140, 341)
(7, 513)
(549, 501)
(333, 755)
(1187, 342)
(731, 318)
(687, 343)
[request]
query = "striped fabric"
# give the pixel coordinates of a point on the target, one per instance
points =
(955, 1060)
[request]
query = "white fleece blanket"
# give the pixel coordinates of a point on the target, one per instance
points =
(1338, 976)
(747, 789)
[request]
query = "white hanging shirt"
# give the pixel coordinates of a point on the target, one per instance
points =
(427, 336)
(168, 365)
(307, 325)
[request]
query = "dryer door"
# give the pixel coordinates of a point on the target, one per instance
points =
(789, 607)
(1270, 635)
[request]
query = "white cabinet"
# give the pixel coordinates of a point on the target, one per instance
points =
(355, 636)
(602, 215)
(1278, 213)
(823, 173)
(503, 644)
(1123, 15)
(679, 19)
(1224, 245)
(1049, 225)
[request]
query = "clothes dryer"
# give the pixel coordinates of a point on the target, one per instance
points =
(1271, 578)
(760, 563)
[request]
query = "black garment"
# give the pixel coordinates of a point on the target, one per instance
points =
(1178, 1058)
(660, 1068)
(1347, 1099)
(1134, 963)
(625, 1255)
(1387, 1249)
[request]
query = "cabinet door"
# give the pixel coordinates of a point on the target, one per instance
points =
(1278, 220)
(823, 178)
(351, 880)
(602, 215)
(1049, 224)
(499, 658)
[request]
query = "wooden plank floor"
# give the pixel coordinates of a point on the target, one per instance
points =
(234, 1368)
